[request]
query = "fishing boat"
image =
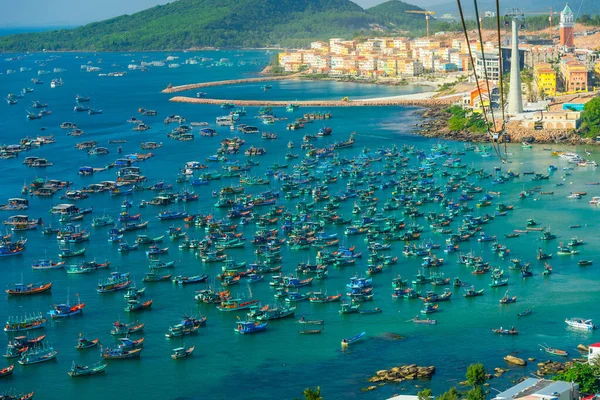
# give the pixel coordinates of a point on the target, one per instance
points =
(20, 324)
(580, 323)
(116, 281)
(310, 331)
(66, 310)
(471, 292)
(119, 353)
(349, 308)
(84, 343)
(155, 250)
(29, 289)
(181, 352)
(67, 253)
(186, 280)
(268, 313)
(503, 331)
(303, 320)
(102, 221)
(152, 276)
(121, 329)
(236, 305)
(248, 327)
(506, 299)
(38, 355)
(353, 339)
(7, 371)
(84, 370)
(553, 351)
(136, 305)
(524, 313)
(426, 321)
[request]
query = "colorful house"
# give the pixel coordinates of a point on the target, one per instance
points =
(545, 79)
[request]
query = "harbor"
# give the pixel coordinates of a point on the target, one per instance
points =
(306, 226)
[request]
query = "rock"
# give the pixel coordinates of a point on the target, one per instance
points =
(515, 360)
(410, 376)
(464, 383)
(531, 359)
(583, 348)
(381, 372)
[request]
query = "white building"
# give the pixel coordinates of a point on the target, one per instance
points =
(541, 389)
(492, 67)
(414, 68)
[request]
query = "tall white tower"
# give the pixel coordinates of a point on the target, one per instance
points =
(515, 96)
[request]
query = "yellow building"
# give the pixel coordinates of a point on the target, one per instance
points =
(597, 69)
(545, 78)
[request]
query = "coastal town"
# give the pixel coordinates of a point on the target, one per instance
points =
(559, 70)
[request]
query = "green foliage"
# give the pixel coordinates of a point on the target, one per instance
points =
(451, 394)
(585, 375)
(476, 393)
(220, 23)
(590, 20)
(424, 394)
(313, 394)
(476, 372)
(590, 118)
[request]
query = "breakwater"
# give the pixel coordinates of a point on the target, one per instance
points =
(320, 103)
(191, 86)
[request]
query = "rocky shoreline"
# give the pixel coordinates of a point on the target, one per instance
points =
(435, 125)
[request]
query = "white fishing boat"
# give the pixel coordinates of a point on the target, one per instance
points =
(580, 323)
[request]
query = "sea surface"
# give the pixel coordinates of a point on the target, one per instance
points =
(279, 363)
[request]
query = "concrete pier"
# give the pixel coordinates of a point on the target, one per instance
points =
(191, 86)
(320, 103)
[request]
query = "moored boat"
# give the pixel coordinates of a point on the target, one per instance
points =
(84, 370)
(353, 339)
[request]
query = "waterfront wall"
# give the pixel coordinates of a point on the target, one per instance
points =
(321, 103)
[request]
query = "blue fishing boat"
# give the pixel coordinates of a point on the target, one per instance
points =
(172, 214)
(248, 327)
(353, 339)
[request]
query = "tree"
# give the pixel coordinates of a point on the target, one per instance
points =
(424, 394)
(585, 375)
(476, 393)
(313, 394)
(451, 394)
(590, 118)
(476, 374)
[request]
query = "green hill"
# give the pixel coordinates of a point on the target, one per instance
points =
(223, 23)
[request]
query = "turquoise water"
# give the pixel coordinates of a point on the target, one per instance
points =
(278, 363)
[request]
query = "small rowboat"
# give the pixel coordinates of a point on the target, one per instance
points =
(81, 370)
(7, 371)
(427, 321)
(181, 352)
(83, 343)
(374, 311)
(524, 313)
(353, 339)
(511, 331)
(553, 351)
(310, 331)
(313, 322)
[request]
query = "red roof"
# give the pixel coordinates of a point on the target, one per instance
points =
(595, 345)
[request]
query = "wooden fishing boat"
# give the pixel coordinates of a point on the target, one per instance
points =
(501, 331)
(120, 353)
(18, 324)
(508, 299)
(29, 289)
(66, 310)
(66, 253)
(152, 276)
(584, 263)
(236, 305)
(248, 327)
(38, 355)
(47, 265)
(310, 331)
(426, 321)
(136, 305)
(84, 343)
(353, 339)
(472, 292)
(181, 352)
(120, 329)
(553, 351)
(524, 313)
(186, 280)
(376, 310)
(84, 370)
(7, 371)
(303, 320)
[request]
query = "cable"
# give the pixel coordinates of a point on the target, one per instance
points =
(462, 19)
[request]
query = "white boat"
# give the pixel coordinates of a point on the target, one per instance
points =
(580, 323)
(56, 83)
(595, 200)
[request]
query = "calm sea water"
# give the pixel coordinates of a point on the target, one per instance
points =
(278, 363)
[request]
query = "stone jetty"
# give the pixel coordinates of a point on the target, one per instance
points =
(191, 86)
(320, 103)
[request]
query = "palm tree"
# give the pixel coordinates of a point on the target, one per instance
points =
(313, 394)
